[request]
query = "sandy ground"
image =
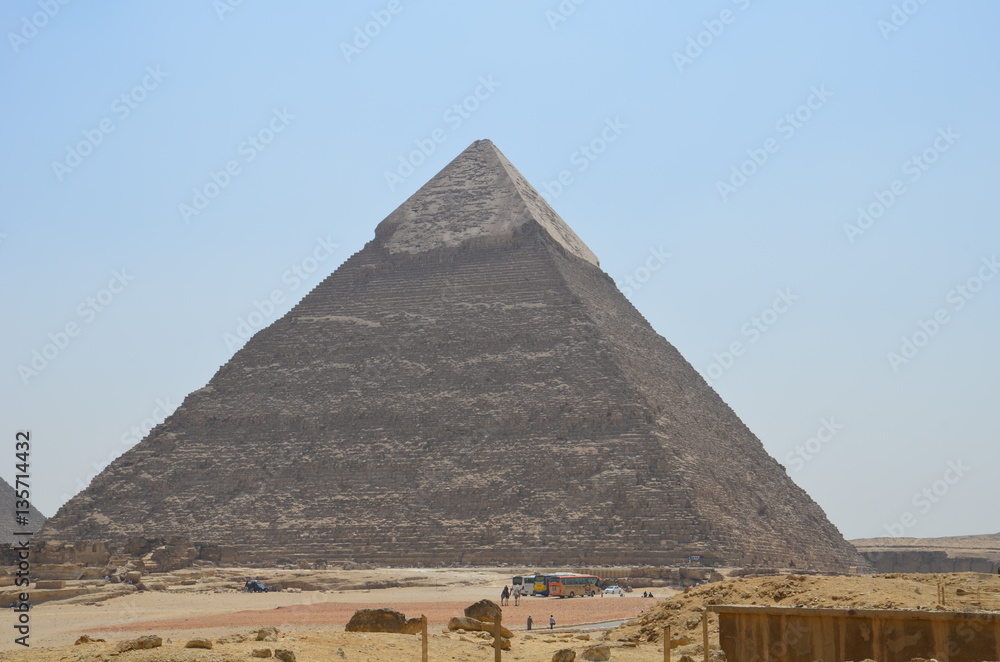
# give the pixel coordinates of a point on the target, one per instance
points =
(311, 644)
(312, 622)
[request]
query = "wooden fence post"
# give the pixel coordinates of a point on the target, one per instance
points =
(423, 642)
(666, 644)
(498, 639)
(704, 633)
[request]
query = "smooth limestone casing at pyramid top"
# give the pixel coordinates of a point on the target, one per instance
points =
(470, 387)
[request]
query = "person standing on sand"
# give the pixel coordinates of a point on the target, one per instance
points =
(552, 621)
(529, 621)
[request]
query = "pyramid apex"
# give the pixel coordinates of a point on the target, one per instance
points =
(479, 194)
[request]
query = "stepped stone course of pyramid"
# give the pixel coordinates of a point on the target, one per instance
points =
(470, 387)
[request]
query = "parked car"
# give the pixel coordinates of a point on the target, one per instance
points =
(255, 586)
(612, 590)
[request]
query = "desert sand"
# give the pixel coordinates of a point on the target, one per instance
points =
(311, 623)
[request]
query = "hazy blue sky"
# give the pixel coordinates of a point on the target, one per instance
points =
(739, 137)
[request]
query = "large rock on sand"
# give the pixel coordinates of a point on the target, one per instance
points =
(267, 634)
(484, 610)
(598, 653)
(377, 620)
(475, 625)
(199, 643)
(147, 641)
(465, 623)
(413, 626)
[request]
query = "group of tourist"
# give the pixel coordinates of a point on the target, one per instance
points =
(507, 592)
(552, 621)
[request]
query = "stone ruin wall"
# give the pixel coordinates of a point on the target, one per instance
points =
(76, 560)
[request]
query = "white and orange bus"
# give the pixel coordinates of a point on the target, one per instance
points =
(570, 586)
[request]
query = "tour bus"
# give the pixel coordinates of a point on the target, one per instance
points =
(541, 585)
(570, 586)
(526, 582)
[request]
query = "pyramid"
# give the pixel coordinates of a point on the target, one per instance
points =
(8, 503)
(470, 387)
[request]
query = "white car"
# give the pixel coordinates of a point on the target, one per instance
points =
(611, 590)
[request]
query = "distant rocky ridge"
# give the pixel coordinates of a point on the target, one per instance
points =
(468, 388)
(952, 554)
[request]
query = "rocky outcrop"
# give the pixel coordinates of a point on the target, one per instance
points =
(142, 643)
(267, 634)
(597, 653)
(413, 626)
(484, 610)
(377, 620)
(410, 408)
(465, 623)
(475, 625)
(926, 561)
